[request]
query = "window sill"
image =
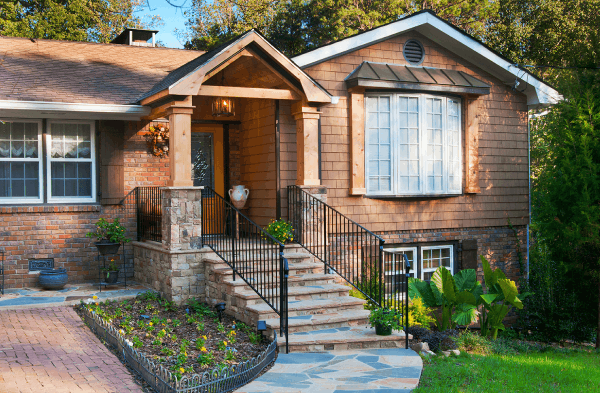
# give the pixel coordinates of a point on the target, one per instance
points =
(50, 209)
(416, 196)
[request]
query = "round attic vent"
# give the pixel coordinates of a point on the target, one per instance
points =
(413, 52)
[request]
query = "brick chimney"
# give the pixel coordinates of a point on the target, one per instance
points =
(136, 37)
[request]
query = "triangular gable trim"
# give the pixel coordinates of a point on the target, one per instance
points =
(191, 83)
(540, 93)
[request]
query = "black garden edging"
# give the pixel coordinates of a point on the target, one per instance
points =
(163, 381)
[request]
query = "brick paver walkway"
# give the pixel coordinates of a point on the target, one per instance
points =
(51, 350)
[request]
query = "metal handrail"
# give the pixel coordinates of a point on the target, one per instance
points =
(347, 248)
(252, 254)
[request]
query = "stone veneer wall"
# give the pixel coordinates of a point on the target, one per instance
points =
(179, 275)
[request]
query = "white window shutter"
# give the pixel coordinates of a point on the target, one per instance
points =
(409, 168)
(379, 144)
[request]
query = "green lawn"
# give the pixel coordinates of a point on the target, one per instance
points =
(550, 371)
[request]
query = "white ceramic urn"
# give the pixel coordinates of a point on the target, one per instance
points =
(239, 196)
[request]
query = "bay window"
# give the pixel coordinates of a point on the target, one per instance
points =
(67, 149)
(412, 145)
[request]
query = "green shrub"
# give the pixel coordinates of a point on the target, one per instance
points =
(472, 342)
(281, 230)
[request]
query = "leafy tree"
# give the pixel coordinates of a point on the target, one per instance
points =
(566, 197)
(546, 32)
(73, 20)
(298, 25)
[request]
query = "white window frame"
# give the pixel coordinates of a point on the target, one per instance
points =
(395, 146)
(49, 160)
(40, 199)
(422, 270)
(400, 250)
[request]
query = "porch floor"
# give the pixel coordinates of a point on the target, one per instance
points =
(71, 294)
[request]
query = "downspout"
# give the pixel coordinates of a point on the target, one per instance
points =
(529, 184)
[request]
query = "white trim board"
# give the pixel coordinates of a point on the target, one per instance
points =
(538, 93)
(73, 111)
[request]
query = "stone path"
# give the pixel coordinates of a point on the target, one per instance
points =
(383, 370)
(51, 350)
(71, 294)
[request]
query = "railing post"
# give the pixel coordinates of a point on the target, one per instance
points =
(381, 298)
(233, 244)
(138, 215)
(406, 272)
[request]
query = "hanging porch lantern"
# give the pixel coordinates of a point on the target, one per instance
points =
(223, 106)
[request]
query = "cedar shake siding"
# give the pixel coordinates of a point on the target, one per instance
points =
(502, 151)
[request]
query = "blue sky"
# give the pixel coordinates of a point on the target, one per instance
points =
(172, 18)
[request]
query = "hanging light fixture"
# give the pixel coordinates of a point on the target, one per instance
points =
(223, 106)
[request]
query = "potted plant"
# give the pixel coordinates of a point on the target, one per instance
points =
(281, 230)
(111, 272)
(110, 235)
(385, 321)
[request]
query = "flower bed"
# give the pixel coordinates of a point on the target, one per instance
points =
(183, 348)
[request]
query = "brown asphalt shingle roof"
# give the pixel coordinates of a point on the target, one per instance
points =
(83, 72)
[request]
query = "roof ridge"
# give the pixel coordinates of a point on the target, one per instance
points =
(48, 40)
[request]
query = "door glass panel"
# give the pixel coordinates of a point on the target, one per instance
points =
(203, 172)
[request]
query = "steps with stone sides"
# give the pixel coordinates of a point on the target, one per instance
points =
(321, 314)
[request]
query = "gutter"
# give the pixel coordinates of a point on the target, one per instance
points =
(68, 110)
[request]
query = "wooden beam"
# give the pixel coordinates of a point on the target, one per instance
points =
(226, 63)
(273, 70)
(248, 92)
(155, 97)
(357, 126)
(161, 110)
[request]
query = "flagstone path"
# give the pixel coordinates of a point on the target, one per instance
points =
(51, 350)
(381, 370)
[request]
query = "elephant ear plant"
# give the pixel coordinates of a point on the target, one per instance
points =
(456, 295)
(501, 296)
(462, 299)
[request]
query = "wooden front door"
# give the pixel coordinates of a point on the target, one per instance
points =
(208, 168)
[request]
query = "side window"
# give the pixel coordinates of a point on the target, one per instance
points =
(394, 266)
(20, 161)
(71, 166)
(433, 257)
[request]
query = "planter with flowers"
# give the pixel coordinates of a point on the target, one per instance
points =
(281, 230)
(385, 321)
(111, 272)
(110, 235)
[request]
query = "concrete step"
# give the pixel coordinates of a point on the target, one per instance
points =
(309, 307)
(307, 323)
(295, 269)
(297, 293)
(340, 339)
(299, 280)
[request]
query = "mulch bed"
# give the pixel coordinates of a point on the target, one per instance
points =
(185, 339)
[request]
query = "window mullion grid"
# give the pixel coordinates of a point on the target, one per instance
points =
(445, 141)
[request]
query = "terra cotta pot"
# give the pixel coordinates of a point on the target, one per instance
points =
(239, 195)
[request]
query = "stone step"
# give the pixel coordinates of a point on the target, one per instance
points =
(296, 293)
(307, 323)
(299, 280)
(262, 311)
(340, 339)
(294, 269)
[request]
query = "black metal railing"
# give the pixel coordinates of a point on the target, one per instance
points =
(149, 213)
(350, 250)
(253, 255)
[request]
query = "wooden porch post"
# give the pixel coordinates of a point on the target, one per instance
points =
(307, 144)
(180, 144)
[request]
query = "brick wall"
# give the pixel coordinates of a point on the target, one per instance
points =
(58, 231)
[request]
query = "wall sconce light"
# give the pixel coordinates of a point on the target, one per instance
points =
(223, 106)
(158, 141)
